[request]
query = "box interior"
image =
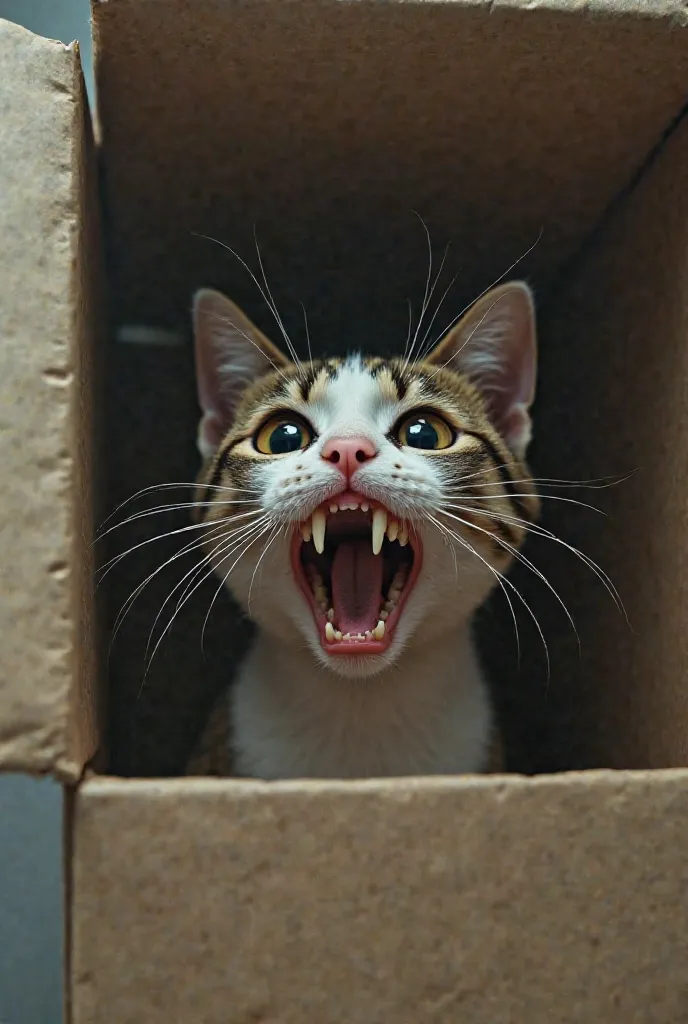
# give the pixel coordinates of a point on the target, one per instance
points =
(519, 136)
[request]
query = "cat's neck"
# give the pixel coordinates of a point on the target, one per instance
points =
(429, 714)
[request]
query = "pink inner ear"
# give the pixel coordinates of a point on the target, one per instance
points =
(496, 349)
(210, 434)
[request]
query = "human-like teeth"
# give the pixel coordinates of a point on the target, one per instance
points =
(329, 632)
(379, 529)
(393, 529)
(305, 529)
(379, 630)
(319, 522)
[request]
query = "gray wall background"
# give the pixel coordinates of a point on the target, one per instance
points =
(31, 811)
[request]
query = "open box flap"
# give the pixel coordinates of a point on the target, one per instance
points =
(46, 305)
(556, 899)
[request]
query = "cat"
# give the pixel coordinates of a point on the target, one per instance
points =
(361, 510)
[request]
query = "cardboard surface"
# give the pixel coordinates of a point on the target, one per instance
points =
(616, 404)
(551, 901)
(47, 669)
(324, 124)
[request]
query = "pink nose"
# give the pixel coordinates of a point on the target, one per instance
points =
(349, 453)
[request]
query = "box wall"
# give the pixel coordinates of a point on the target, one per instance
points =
(557, 900)
(45, 657)
(616, 368)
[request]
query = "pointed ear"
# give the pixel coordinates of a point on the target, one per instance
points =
(495, 346)
(230, 353)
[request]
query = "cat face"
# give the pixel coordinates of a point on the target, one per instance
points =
(360, 505)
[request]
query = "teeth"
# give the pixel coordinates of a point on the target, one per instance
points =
(379, 630)
(337, 635)
(389, 606)
(368, 635)
(393, 529)
(319, 523)
(335, 508)
(364, 506)
(403, 538)
(330, 614)
(379, 528)
(329, 632)
(306, 531)
(384, 615)
(347, 636)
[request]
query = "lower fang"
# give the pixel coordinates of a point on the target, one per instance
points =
(379, 630)
(329, 632)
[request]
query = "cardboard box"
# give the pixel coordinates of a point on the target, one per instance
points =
(48, 222)
(560, 898)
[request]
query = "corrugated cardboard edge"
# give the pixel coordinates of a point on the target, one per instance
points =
(48, 311)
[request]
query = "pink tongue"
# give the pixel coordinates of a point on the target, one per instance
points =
(356, 586)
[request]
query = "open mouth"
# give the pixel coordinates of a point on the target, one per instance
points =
(356, 563)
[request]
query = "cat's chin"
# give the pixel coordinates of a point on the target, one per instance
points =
(356, 565)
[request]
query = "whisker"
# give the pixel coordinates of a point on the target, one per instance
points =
(160, 509)
(308, 333)
(501, 579)
(521, 558)
(496, 281)
(172, 486)
(427, 286)
(251, 341)
(181, 604)
(540, 531)
(109, 565)
(194, 545)
(227, 542)
(511, 494)
(273, 536)
(228, 574)
(520, 596)
(258, 285)
(273, 305)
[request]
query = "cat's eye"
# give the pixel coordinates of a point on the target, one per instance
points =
(283, 434)
(426, 431)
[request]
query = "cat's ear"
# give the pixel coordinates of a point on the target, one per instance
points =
(230, 353)
(495, 346)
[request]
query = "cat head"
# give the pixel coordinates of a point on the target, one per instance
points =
(360, 505)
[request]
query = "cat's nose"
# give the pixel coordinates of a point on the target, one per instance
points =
(349, 453)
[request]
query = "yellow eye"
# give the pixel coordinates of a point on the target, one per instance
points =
(426, 431)
(281, 435)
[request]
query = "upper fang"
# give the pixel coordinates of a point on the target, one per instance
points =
(379, 529)
(319, 522)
